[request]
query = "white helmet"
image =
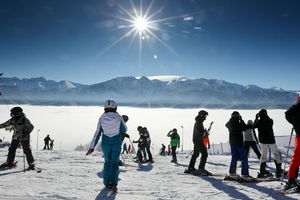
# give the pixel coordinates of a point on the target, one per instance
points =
(110, 104)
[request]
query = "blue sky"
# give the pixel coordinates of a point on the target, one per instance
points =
(246, 42)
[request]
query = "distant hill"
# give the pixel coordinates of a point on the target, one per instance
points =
(152, 91)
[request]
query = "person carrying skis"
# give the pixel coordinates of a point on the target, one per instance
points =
(175, 142)
(163, 150)
(236, 126)
(47, 139)
(111, 126)
(266, 138)
(250, 139)
(21, 127)
(292, 115)
(198, 136)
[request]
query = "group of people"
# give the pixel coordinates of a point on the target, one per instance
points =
(163, 150)
(111, 126)
(49, 143)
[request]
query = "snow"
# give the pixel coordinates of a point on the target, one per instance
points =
(72, 175)
(166, 78)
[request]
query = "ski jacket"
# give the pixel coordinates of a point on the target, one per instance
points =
(21, 128)
(175, 139)
(146, 136)
(292, 115)
(198, 133)
(112, 125)
(265, 130)
(47, 139)
(249, 135)
(236, 127)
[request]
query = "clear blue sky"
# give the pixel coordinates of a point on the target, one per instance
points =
(247, 42)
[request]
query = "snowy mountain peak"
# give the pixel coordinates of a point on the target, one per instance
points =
(168, 78)
(67, 84)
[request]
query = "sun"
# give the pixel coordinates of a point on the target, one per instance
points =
(140, 24)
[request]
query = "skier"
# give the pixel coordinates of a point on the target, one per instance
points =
(124, 148)
(112, 125)
(236, 126)
(145, 133)
(293, 116)
(198, 136)
(47, 139)
(163, 150)
(21, 127)
(169, 150)
(264, 124)
(250, 139)
(141, 146)
(175, 142)
(51, 144)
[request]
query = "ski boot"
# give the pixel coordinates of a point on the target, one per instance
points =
(191, 171)
(114, 188)
(291, 183)
(8, 165)
(264, 174)
(247, 178)
(279, 170)
(203, 172)
(232, 177)
(108, 186)
(31, 166)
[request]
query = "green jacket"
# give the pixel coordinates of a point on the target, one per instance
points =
(175, 139)
(21, 128)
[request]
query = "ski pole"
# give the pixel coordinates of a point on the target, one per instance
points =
(189, 154)
(23, 157)
(287, 152)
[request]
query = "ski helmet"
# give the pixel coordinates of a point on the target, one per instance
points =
(263, 112)
(202, 113)
(16, 111)
(125, 118)
(139, 128)
(111, 104)
(235, 114)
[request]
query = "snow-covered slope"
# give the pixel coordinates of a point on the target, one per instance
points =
(72, 175)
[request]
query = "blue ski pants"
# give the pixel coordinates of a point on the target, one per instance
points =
(239, 152)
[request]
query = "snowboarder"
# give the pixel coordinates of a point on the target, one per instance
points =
(293, 116)
(163, 150)
(175, 142)
(47, 139)
(198, 136)
(250, 139)
(21, 127)
(236, 126)
(264, 124)
(112, 125)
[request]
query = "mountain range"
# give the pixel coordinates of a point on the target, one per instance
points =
(151, 91)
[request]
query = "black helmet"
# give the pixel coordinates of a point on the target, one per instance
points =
(16, 111)
(125, 118)
(263, 112)
(202, 113)
(235, 114)
(139, 128)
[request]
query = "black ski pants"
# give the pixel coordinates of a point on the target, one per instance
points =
(149, 152)
(174, 158)
(197, 150)
(253, 145)
(26, 149)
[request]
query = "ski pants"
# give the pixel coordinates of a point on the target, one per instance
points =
(295, 162)
(26, 149)
(253, 145)
(197, 150)
(174, 158)
(149, 152)
(274, 150)
(236, 153)
(111, 165)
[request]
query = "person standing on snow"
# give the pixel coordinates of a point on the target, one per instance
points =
(264, 124)
(21, 127)
(146, 137)
(111, 125)
(175, 142)
(47, 139)
(169, 150)
(292, 115)
(236, 126)
(198, 136)
(250, 139)
(163, 150)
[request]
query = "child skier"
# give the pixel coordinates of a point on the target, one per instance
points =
(250, 139)
(175, 142)
(21, 127)
(264, 124)
(236, 126)
(112, 125)
(293, 116)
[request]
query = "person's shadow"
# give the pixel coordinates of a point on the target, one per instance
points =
(145, 168)
(105, 195)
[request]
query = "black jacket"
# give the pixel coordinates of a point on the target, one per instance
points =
(198, 133)
(265, 130)
(292, 115)
(236, 127)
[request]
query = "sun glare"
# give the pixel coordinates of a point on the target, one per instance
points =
(141, 24)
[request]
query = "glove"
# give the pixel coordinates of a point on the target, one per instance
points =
(89, 152)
